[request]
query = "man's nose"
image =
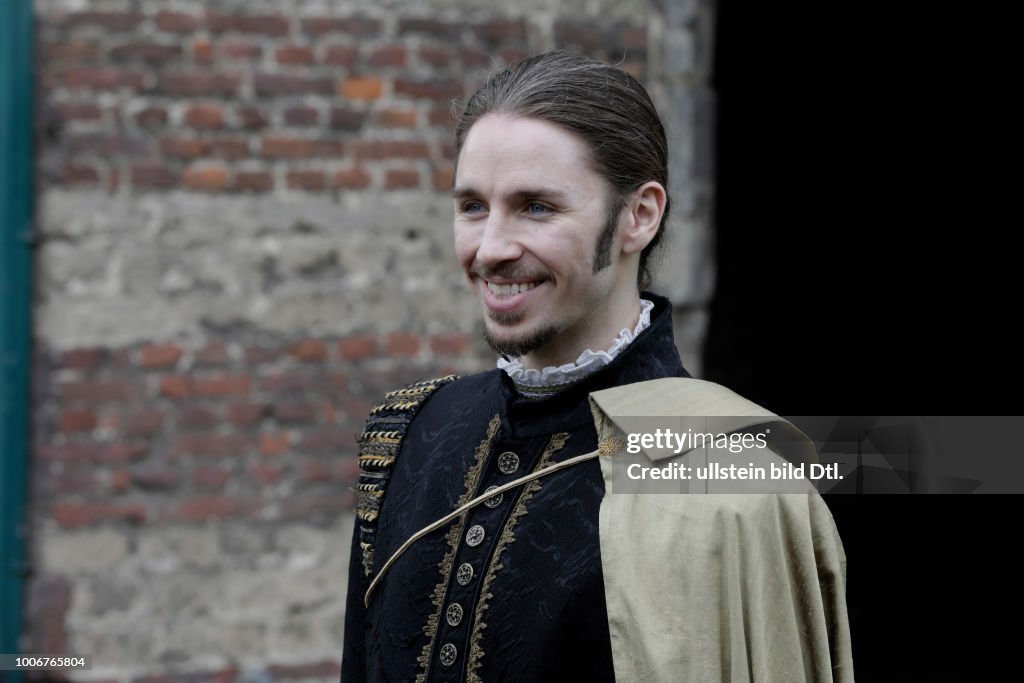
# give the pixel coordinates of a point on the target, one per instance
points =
(498, 242)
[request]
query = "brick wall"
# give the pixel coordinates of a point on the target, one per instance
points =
(244, 241)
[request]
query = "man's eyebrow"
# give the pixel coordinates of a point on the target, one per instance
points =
(520, 195)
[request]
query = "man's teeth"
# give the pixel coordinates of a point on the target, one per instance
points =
(510, 290)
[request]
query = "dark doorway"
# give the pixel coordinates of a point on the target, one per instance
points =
(841, 292)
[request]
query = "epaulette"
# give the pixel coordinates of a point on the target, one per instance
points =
(378, 449)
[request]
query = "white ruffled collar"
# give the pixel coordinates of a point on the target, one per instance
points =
(534, 382)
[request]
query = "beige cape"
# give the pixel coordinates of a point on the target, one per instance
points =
(721, 586)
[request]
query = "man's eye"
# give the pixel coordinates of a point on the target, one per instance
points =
(537, 209)
(472, 207)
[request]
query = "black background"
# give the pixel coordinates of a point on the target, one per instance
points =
(865, 267)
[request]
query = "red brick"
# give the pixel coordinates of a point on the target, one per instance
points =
(397, 118)
(192, 417)
(87, 514)
(229, 675)
(441, 90)
(294, 412)
(213, 353)
(391, 149)
(151, 117)
(151, 53)
(230, 148)
(111, 21)
(78, 111)
(119, 481)
(246, 414)
(206, 176)
(82, 359)
(349, 469)
(326, 669)
(358, 408)
(309, 350)
(326, 441)
(318, 471)
(435, 56)
(70, 52)
(183, 148)
(101, 391)
(174, 386)
(391, 55)
(176, 22)
(212, 444)
(159, 355)
(203, 51)
(501, 31)
(283, 147)
(341, 55)
(346, 119)
(430, 27)
(77, 421)
(443, 178)
(360, 26)
(211, 478)
(307, 506)
(154, 479)
(292, 381)
(145, 422)
(221, 385)
(198, 83)
(352, 179)
(512, 55)
(294, 55)
(266, 474)
(253, 181)
(362, 88)
(263, 24)
(634, 38)
(93, 451)
(357, 347)
(452, 344)
(77, 174)
(70, 481)
(251, 117)
(105, 145)
(205, 116)
(301, 116)
(285, 84)
(102, 78)
(402, 344)
(200, 509)
(401, 179)
(256, 355)
(274, 443)
(233, 49)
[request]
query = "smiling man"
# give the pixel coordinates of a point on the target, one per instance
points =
(559, 202)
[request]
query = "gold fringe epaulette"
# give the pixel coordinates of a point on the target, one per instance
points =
(379, 445)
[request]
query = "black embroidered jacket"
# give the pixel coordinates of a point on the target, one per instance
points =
(512, 590)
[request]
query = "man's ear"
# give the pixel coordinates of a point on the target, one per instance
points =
(646, 206)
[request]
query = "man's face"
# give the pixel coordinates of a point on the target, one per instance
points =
(529, 213)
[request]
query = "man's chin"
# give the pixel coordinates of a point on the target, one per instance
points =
(509, 343)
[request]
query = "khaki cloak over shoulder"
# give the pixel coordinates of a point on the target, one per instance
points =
(721, 586)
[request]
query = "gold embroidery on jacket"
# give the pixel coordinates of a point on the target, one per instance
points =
(452, 538)
(508, 536)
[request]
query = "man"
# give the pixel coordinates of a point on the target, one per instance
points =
(560, 199)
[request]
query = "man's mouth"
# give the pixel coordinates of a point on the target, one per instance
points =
(503, 291)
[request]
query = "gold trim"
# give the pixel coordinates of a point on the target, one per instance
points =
(508, 536)
(452, 538)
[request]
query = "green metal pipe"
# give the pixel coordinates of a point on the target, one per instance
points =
(17, 199)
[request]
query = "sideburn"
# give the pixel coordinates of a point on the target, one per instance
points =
(603, 252)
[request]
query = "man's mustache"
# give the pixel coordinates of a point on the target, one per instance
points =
(509, 270)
